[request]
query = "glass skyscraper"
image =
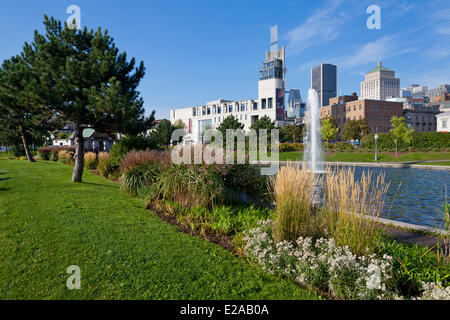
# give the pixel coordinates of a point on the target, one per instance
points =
(324, 81)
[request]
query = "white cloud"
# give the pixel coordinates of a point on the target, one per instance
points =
(380, 49)
(322, 26)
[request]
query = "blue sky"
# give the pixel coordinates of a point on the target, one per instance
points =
(197, 51)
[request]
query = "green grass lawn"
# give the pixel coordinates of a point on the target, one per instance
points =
(370, 157)
(48, 223)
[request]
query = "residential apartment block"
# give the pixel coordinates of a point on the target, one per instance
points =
(377, 113)
(270, 102)
(379, 84)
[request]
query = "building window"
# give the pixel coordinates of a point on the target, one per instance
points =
(242, 107)
(255, 105)
(444, 124)
(219, 110)
(263, 104)
(270, 103)
(230, 108)
(205, 125)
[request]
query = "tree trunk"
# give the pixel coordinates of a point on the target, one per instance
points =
(26, 147)
(77, 175)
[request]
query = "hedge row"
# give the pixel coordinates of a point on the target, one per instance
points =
(422, 141)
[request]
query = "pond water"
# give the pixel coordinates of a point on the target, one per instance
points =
(415, 195)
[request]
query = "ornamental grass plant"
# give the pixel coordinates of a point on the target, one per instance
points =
(295, 214)
(104, 166)
(349, 204)
(90, 160)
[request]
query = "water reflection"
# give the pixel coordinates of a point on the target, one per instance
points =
(415, 195)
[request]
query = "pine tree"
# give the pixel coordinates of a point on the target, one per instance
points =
(89, 83)
(21, 111)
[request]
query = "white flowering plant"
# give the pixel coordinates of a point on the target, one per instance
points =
(321, 264)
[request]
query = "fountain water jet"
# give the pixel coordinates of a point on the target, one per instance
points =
(313, 140)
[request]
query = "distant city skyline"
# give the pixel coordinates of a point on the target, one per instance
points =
(199, 51)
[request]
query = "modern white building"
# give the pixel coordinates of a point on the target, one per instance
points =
(379, 84)
(270, 102)
(443, 122)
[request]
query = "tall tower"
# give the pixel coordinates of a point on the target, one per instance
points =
(324, 81)
(272, 80)
(380, 83)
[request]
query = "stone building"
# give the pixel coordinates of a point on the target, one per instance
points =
(379, 84)
(420, 117)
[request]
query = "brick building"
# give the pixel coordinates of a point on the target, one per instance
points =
(377, 113)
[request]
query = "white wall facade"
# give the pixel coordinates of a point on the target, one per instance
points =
(443, 122)
(380, 84)
(245, 111)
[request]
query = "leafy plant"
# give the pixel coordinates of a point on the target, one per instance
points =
(137, 177)
(401, 132)
(329, 129)
(287, 147)
(413, 265)
(355, 129)
(189, 186)
(245, 180)
(44, 153)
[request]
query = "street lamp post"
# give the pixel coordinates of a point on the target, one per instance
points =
(376, 147)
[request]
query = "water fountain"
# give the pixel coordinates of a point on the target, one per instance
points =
(313, 140)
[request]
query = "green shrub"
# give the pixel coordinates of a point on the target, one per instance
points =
(245, 180)
(414, 264)
(189, 186)
(343, 147)
(422, 141)
(135, 178)
(44, 153)
(232, 220)
(289, 147)
(18, 150)
(54, 154)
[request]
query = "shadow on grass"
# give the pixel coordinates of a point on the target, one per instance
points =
(102, 185)
(4, 179)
